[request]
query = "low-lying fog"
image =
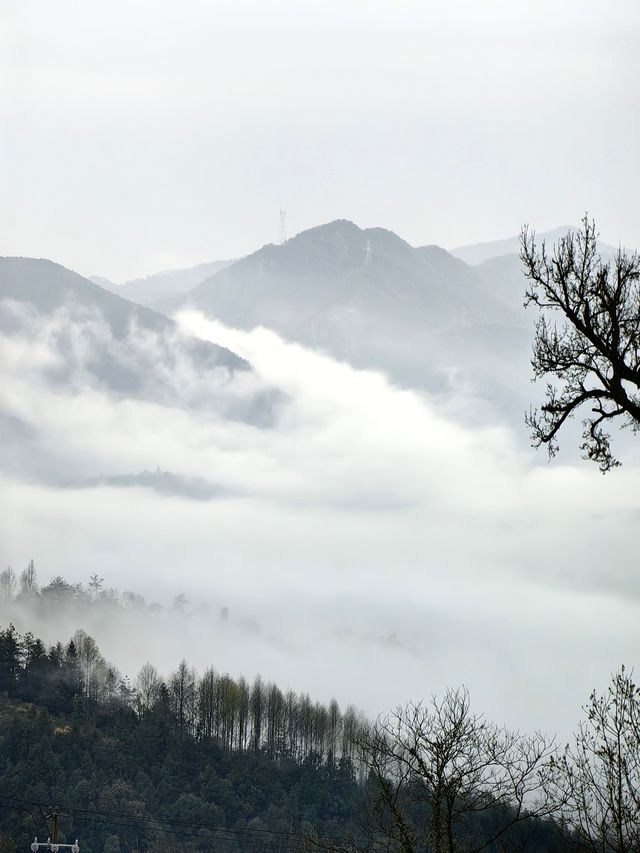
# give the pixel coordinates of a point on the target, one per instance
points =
(365, 544)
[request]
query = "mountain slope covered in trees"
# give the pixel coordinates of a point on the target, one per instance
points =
(183, 762)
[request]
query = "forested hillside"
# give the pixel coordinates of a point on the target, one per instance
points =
(211, 758)
(177, 763)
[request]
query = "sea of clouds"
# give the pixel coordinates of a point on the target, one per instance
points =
(365, 542)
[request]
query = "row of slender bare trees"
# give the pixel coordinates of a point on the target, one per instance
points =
(245, 717)
(442, 777)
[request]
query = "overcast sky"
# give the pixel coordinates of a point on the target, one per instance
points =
(138, 135)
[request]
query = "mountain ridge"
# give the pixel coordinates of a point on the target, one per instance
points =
(374, 258)
(155, 289)
(48, 288)
(477, 253)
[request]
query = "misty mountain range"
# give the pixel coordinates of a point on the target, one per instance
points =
(124, 347)
(423, 316)
(48, 287)
(61, 332)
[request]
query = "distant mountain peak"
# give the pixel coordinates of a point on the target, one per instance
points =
(337, 248)
(333, 225)
(477, 253)
(346, 229)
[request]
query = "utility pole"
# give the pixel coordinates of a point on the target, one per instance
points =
(53, 816)
(54, 848)
(51, 843)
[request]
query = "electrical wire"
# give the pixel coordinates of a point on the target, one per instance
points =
(228, 834)
(183, 828)
(23, 809)
(72, 810)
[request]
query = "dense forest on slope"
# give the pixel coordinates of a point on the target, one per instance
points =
(179, 761)
(247, 766)
(182, 763)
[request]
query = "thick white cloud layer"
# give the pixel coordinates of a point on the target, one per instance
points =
(366, 545)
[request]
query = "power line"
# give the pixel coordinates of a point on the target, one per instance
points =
(227, 834)
(23, 809)
(137, 822)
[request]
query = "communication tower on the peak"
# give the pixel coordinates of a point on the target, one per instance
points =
(367, 254)
(283, 226)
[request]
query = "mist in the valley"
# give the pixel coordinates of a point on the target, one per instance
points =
(361, 542)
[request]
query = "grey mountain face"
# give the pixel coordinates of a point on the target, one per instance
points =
(105, 283)
(368, 297)
(504, 279)
(102, 340)
(72, 336)
(46, 288)
(160, 290)
(337, 267)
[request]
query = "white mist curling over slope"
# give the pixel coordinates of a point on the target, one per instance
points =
(366, 545)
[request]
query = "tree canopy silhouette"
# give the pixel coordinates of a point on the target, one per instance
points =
(592, 360)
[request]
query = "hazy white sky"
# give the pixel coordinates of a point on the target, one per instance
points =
(138, 135)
